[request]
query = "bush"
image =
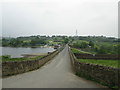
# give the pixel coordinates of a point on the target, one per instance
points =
(6, 56)
(80, 44)
(91, 44)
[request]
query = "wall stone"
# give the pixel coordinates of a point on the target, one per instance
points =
(97, 56)
(104, 74)
(17, 67)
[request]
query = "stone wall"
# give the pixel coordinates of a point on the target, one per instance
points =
(17, 67)
(107, 75)
(97, 56)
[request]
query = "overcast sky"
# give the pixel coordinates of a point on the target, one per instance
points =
(59, 17)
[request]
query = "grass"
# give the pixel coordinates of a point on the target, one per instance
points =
(7, 58)
(74, 50)
(110, 63)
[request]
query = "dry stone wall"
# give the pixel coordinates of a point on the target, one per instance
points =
(17, 67)
(107, 75)
(97, 56)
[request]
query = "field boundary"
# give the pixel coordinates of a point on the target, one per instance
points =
(16, 67)
(97, 56)
(103, 74)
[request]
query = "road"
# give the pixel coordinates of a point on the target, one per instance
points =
(57, 73)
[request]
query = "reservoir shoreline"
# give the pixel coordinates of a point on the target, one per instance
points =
(16, 52)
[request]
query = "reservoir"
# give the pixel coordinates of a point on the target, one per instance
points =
(16, 52)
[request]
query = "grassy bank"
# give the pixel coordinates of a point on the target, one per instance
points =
(110, 63)
(7, 58)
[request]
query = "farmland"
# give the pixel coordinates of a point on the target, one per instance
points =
(110, 63)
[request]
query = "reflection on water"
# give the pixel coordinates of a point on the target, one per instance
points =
(16, 52)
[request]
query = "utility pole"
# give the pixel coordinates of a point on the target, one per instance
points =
(76, 32)
(76, 36)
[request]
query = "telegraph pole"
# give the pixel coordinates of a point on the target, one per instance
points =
(76, 33)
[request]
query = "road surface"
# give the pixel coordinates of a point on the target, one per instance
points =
(57, 73)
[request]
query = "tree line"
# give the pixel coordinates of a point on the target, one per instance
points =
(98, 47)
(93, 44)
(33, 41)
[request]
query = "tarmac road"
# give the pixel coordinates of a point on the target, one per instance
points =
(57, 73)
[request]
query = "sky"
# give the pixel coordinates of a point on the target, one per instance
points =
(59, 17)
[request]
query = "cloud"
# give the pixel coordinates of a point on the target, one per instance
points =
(48, 17)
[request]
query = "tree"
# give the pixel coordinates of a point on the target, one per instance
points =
(80, 44)
(15, 42)
(91, 43)
(117, 48)
(66, 40)
(37, 41)
(102, 50)
(96, 48)
(83, 44)
(5, 42)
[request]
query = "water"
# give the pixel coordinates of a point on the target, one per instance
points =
(16, 52)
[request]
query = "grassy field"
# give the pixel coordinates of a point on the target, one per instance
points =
(111, 63)
(6, 58)
(74, 50)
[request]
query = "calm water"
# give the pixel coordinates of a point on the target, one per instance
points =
(16, 52)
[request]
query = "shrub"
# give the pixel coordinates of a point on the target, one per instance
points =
(6, 56)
